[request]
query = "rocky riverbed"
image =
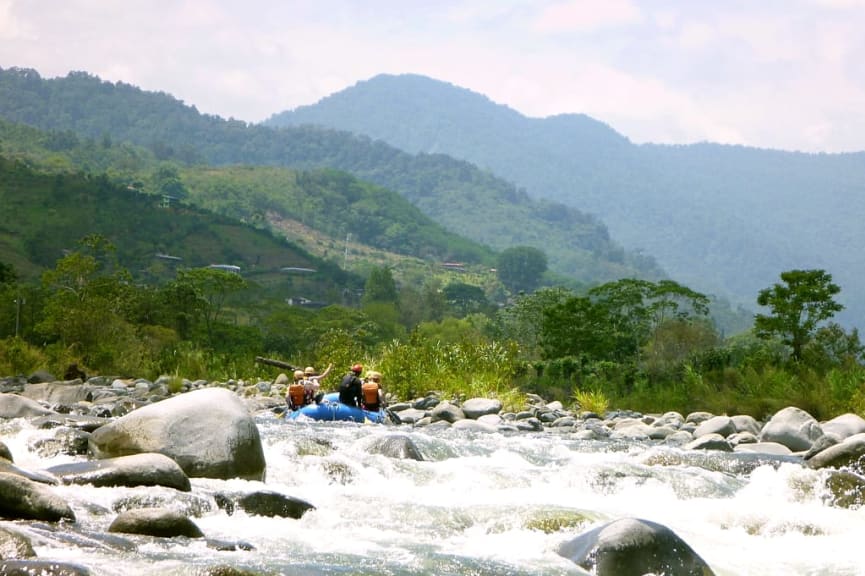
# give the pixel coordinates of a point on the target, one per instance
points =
(140, 435)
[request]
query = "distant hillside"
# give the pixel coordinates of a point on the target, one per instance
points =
(464, 199)
(724, 220)
(47, 214)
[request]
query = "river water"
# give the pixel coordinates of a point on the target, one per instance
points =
(475, 505)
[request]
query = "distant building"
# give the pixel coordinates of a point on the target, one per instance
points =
(168, 257)
(455, 266)
(297, 270)
(302, 302)
(225, 267)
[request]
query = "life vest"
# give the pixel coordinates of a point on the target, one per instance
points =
(370, 394)
(296, 393)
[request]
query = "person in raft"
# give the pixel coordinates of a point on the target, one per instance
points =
(296, 396)
(312, 383)
(351, 387)
(373, 395)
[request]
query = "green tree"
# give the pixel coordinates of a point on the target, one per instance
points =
(576, 327)
(520, 268)
(522, 321)
(797, 307)
(212, 288)
(7, 274)
(380, 287)
(465, 298)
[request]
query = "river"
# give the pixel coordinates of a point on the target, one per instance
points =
(475, 505)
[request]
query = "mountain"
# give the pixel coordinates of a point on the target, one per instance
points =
(48, 213)
(724, 220)
(466, 200)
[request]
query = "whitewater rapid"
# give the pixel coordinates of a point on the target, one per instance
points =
(477, 504)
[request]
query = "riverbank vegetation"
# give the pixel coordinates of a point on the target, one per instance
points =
(628, 344)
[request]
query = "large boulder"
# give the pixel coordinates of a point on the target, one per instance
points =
(159, 522)
(844, 426)
(59, 393)
(474, 408)
(792, 427)
(136, 470)
(208, 432)
(21, 498)
(15, 406)
(400, 446)
(634, 547)
(263, 503)
(850, 452)
(722, 425)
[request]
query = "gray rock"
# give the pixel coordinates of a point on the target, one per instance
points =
(59, 393)
(474, 408)
(5, 453)
(678, 438)
(410, 415)
(634, 547)
(447, 412)
(772, 448)
(15, 406)
(41, 376)
(844, 426)
(473, 425)
(697, 418)
(68, 441)
(264, 503)
(14, 544)
(147, 469)
(400, 446)
(160, 522)
(792, 427)
(745, 423)
(10, 468)
(850, 452)
(21, 498)
(742, 438)
(846, 489)
(709, 442)
(722, 425)
(208, 432)
(491, 419)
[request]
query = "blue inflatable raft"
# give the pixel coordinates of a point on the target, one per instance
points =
(330, 409)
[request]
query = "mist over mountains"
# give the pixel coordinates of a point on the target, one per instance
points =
(724, 220)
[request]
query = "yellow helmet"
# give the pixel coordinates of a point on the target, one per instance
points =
(309, 371)
(298, 374)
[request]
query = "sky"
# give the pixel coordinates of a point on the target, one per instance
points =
(782, 74)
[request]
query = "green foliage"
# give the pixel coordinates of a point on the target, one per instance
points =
(456, 370)
(591, 401)
(463, 198)
(797, 307)
(19, 357)
(380, 287)
(520, 268)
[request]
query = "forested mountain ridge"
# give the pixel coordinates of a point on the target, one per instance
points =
(724, 220)
(466, 200)
(48, 213)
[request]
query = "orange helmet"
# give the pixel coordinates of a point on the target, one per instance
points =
(358, 368)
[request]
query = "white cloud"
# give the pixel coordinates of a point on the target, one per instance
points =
(660, 72)
(586, 15)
